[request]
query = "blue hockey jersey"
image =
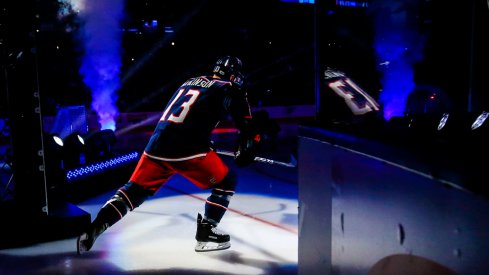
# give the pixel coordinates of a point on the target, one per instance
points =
(198, 105)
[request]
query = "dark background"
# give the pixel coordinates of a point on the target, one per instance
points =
(278, 73)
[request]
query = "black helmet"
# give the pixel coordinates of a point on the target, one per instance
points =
(227, 66)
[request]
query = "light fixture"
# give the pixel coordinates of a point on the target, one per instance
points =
(99, 145)
(58, 140)
(479, 120)
(99, 167)
(74, 150)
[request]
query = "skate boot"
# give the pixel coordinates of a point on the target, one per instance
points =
(209, 238)
(86, 240)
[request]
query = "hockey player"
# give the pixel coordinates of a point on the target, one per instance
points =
(180, 144)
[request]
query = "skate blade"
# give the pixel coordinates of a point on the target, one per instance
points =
(210, 246)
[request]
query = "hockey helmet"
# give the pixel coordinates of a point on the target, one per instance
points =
(227, 66)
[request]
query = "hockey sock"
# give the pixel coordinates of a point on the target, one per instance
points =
(216, 205)
(125, 199)
(113, 210)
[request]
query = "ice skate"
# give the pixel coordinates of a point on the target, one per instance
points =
(209, 238)
(86, 240)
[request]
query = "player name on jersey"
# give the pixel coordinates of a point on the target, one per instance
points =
(202, 82)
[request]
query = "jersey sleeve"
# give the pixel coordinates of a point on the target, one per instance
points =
(248, 137)
(239, 108)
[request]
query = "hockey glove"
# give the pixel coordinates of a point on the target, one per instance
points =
(246, 152)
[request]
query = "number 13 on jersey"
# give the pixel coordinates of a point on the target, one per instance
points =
(180, 106)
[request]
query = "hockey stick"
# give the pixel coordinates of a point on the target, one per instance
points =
(292, 163)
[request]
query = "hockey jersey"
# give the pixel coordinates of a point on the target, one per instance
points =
(195, 109)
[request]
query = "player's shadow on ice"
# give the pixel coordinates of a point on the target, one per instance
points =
(280, 266)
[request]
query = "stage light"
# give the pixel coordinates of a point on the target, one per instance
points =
(53, 143)
(99, 145)
(459, 128)
(443, 121)
(74, 141)
(54, 160)
(479, 132)
(58, 140)
(64, 153)
(74, 150)
(98, 167)
(479, 120)
(80, 138)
